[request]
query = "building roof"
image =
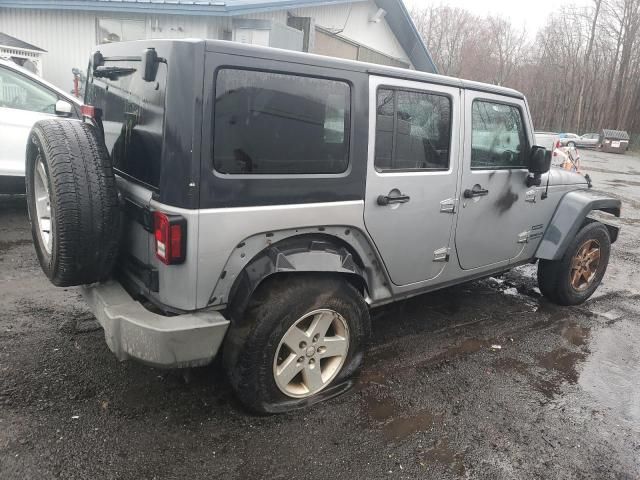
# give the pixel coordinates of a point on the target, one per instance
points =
(13, 42)
(397, 17)
(176, 7)
(407, 34)
(615, 134)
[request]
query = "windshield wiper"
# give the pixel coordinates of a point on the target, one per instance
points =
(112, 73)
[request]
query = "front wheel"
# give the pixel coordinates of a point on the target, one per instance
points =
(298, 343)
(576, 276)
(571, 144)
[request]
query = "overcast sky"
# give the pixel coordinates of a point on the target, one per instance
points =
(529, 13)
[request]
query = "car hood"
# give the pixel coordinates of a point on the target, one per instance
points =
(559, 176)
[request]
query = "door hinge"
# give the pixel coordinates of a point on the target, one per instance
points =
(523, 237)
(441, 255)
(530, 196)
(448, 205)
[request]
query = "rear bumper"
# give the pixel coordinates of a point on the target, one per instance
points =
(131, 331)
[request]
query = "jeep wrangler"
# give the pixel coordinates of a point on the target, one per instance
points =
(258, 202)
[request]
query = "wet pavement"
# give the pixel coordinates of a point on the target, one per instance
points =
(483, 380)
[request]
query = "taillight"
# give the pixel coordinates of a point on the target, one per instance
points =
(170, 232)
(88, 111)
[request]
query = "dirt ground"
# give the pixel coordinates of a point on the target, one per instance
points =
(559, 400)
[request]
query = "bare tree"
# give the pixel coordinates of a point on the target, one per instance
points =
(506, 45)
(580, 72)
(448, 30)
(587, 57)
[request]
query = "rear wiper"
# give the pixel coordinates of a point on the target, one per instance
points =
(112, 73)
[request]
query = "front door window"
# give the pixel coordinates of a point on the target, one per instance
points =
(498, 140)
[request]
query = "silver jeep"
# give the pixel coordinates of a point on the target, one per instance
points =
(225, 197)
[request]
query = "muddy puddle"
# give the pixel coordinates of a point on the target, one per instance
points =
(611, 373)
(442, 453)
(380, 410)
(563, 362)
(548, 371)
(603, 362)
(402, 427)
(397, 424)
(576, 334)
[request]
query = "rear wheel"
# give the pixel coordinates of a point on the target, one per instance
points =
(571, 144)
(573, 279)
(72, 202)
(299, 341)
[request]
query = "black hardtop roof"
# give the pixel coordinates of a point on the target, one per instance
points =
(235, 48)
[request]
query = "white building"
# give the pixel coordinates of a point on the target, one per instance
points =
(379, 31)
(22, 53)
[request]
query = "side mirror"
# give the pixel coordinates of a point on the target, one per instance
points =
(540, 160)
(63, 108)
(539, 163)
(149, 64)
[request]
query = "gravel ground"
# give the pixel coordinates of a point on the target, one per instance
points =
(559, 400)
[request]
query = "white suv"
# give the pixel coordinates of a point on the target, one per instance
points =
(24, 99)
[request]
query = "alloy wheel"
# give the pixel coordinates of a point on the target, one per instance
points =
(584, 265)
(311, 353)
(43, 204)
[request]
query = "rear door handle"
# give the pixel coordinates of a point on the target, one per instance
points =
(476, 191)
(384, 200)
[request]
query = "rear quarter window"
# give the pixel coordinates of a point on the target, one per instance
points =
(132, 118)
(273, 123)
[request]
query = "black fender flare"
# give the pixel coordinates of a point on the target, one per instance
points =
(570, 216)
(298, 254)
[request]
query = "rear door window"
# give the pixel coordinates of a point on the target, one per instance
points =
(272, 123)
(132, 118)
(413, 131)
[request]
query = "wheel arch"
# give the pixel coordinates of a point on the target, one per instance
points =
(571, 215)
(341, 251)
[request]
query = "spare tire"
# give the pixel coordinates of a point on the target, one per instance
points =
(72, 202)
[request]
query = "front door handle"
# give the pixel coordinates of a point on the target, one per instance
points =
(384, 200)
(476, 191)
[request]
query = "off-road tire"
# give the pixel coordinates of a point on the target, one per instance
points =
(252, 341)
(85, 217)
(554, 278)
